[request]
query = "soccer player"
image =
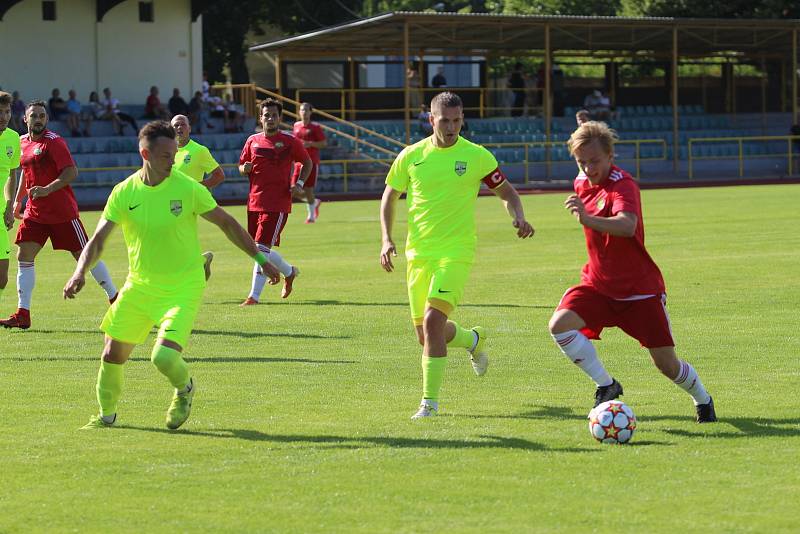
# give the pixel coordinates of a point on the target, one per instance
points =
(157, 208)
(9, 161)
(313, 138)
(441, 176)
(620, 285)
(51, 211)
(192, 158)
(267, 160)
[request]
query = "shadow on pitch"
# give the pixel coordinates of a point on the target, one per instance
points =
(249, 335)
(380, 304)
(538, 412)
(212, 359)
(345, 442)
(744, 427)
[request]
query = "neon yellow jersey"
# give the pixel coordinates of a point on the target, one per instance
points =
(194, 160)
(9, 154)
(441, 186)
(160, 228)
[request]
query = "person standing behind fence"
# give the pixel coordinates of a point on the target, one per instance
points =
(516, 82)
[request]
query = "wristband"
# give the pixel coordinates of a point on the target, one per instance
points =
(301, 183)
(261, 258)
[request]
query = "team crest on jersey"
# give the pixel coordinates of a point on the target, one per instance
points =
(176, 207)
(37, 151)
(9, 151)
(187, 159)
(601, 203)
(279, 144)
(461, 167)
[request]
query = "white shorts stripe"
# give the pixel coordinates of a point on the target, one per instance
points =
(82, 238)
(277, 231)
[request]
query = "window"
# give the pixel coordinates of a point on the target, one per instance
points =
(49, 10)
(145, 11)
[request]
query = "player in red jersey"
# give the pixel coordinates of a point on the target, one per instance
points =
(51, 211)
(313, 138)
(620, 285)
(267, 159)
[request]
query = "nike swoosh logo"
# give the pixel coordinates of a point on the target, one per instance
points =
(444, 291)
(134, 207)
(418, 163)
(170, 330)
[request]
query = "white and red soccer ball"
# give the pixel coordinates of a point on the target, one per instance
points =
(612, 422)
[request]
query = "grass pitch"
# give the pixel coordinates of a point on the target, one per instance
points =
(301, 420)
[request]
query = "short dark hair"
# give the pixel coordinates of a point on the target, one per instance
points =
(446, 100)
(34, 103)
(5, 99)
(309, 104)
(155, 129)
(270, 103)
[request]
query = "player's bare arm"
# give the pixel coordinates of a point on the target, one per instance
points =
(513, 204)
(245, 168)
(315, 144)
(8, 194)
(305, 171)
(19, 196)
(388, 250)
(623, 224)
(216, 177)
(239, 237)
(66, 177)
(90, 255)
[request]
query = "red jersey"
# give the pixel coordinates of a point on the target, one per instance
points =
(312, 132)
(618, 267)
(273, 162)
(42, 161)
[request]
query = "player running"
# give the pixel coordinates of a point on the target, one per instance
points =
(9, 161)
(313, 138)
(51, 211)
(157, 208)
(620, 285)
(441, 176)
(267, 160)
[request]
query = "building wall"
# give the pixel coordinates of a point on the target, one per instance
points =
(76, 52)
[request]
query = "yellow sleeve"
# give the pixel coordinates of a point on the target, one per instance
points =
(207, 161)
(112, 211)
(397, 178)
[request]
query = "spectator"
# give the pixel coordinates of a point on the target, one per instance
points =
(92, 111)
(599, 105)
(581, 116)
(205, 86)
(111, 106)
(17, 113)
(153, 108)
(439, 80)
(236, 114)
(177, 105)
(57, 106)
(198, 112)
(424, 118)
(73, 107)
(414, 98)
(516, 82)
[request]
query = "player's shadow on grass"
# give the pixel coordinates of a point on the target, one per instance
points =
(538, 412)
(746, 427)
(379, 304)
(352, 442)
(249, 335)
(212, 359)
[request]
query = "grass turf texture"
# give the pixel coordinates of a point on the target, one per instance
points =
(301, 420)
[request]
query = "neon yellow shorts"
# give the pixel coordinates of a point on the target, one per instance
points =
(139, 307)
(5, 244)
(438, 284)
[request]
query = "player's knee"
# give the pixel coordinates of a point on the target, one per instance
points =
(556, 324)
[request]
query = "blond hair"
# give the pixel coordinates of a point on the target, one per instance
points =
(593, 131)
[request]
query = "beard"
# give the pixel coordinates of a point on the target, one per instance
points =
(37, 129)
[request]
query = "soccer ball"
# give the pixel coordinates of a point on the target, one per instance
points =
(612, 422)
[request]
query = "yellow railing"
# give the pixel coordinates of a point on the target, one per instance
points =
(790, 139)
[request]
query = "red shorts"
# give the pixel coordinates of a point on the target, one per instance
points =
(265, 227)
(645, 320)
(311, 181)
(69, 235)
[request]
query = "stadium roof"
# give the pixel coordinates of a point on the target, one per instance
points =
(511, 35)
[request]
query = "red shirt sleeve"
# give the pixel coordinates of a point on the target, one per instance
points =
(60, 154)
(245, 155)
(494, 179)
(626, 198)
(319, 133)
(298, 152)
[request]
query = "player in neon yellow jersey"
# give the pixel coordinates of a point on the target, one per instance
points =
(196, 161)
(441, 176)
(157, 208)
(9, 161)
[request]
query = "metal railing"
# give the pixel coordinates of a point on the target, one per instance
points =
(740, 141)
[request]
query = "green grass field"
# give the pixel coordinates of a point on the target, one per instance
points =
(301, 420)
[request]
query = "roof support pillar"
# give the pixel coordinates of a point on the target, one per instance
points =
(794, 76)
(675, 136)
(278, 77)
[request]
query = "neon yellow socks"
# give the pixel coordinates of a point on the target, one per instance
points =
(109, 387)
(463, 338)
(432, 376)
(170, 363)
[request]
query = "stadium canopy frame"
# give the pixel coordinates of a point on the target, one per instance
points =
(491, 35)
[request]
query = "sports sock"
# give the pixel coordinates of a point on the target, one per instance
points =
(170, 363)
(688, 381)
(432, 376)
(257, 286)
(276, 259)
(109, 388)
(580, 351)
(463, 338)
(26, 279)
(103, 277)
(310, 207)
